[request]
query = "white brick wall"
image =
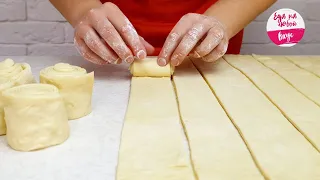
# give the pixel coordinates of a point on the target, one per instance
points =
(34, 27)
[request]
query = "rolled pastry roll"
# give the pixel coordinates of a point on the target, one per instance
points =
(149, 67)
(75, 85)
(36, 117)
(4, 84)
(19, 72)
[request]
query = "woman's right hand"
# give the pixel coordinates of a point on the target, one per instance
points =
(105, 35)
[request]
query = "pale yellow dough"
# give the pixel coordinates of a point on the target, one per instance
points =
(304, 81)
(36, 117)
(303, 113)
(311, 64)
(153, 144)
(75, 86)
(280, 150)
(12, 74)
(148, 67)
(217, 150)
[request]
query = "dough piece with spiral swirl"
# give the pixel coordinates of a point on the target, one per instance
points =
(19, 72)
(4, 84)
(75, 85)
(36, 117)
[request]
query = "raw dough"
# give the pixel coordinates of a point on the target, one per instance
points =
(304, 81)
(12, 74)
(153, 146)
(311, 64)
(148, 67)
(75, 86)
(20, 73)
(4, 84)
(280, 150)
(216, 146)
(36, 117)
(303, 113)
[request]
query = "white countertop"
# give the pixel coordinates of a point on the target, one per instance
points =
(91, 151)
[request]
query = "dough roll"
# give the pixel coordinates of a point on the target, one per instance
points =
(4, 84)
(19, 72)
(36, 117)
(75, 86)
(149, 68)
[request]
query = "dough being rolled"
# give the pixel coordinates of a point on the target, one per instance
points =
(36, 117)
(4, 84)
(75, 85)
(149, 68)
(19, 72)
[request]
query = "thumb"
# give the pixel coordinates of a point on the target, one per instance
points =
(150, 49)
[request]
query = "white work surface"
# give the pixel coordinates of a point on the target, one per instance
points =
(91, 152)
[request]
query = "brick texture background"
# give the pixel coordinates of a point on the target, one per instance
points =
(34, 27)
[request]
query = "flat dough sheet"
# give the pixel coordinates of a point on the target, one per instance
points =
(280, 150)
(311, 64)
(153, 145)
(302, 113)
(304, 81)
(216, 146)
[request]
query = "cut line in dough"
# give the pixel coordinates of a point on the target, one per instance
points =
(311, 64)
(299, 110)
(214, 142)
(304, 81)
(280, 150)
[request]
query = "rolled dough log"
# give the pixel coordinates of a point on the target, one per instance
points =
(311, 64)
(36, 117)
(4, 84)
(280, 150)
(300, 111)
(153, 145)
(148, 67)
(75, 86)
(20, 73)
(304, 81)
(216, 146)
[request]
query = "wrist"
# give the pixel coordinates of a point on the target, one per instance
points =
(80, 9)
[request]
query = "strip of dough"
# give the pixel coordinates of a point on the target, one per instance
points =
(75, 85)
(36, 117)
(216, 146)
(304, 81)
(311, 64)
(280, 150)
(301, 112)
(153, 146)
(4, 84)
(148, 67)
(19, 72)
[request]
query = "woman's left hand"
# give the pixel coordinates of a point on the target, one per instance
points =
(195, 34)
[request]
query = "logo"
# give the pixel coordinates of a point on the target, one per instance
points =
(285, 27)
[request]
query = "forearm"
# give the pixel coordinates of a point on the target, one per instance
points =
(236, 14)
(73, 10)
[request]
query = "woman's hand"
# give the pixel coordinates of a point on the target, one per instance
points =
(105, 35)
(195, 34)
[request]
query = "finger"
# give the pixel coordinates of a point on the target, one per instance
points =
(174, 39)
(218, 52)
(149, 48)
(86, 52)
(126, 30)
(118, 61)
(107, 31)
(212, 40)
(188, 42)
(94, 42)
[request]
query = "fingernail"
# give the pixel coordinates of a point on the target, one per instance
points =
(129, 59)
(141, 54)
(162, 62)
